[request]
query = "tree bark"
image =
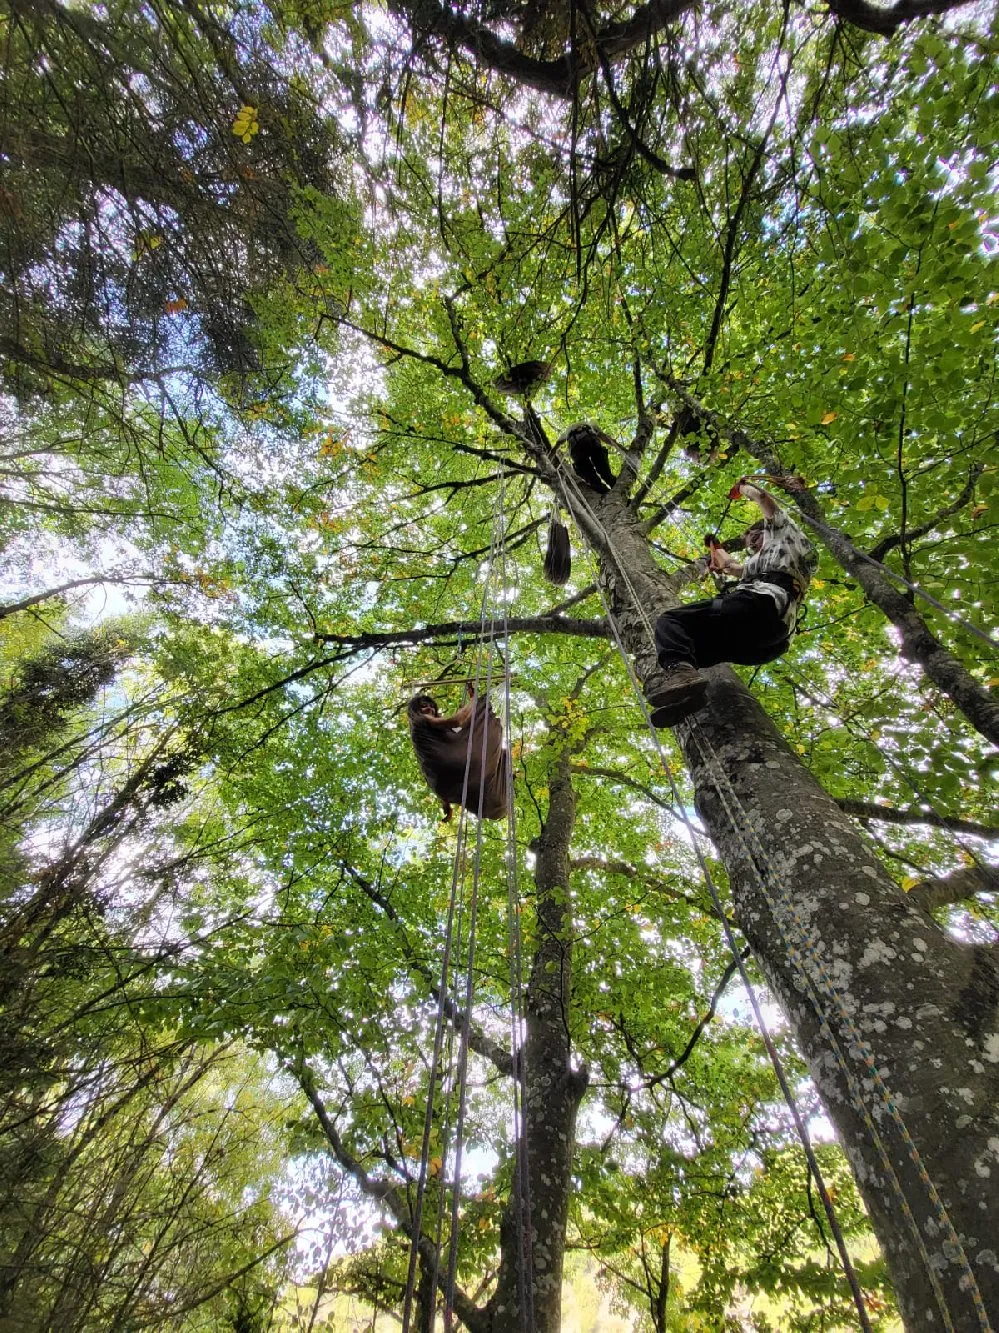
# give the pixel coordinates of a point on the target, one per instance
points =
(662, 1290)
(957, 887)
(859, 972)
(559, 77)
(426, 1298)
(553, 1088)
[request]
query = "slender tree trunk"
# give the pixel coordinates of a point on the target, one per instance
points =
(426, 1298)
(553, 1088)
(662, 1292)
(888, 1010)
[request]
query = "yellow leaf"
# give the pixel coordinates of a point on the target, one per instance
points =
(848, 356)
(435, 1165)
(910, 882)
(175, 307)
(246, 125)
(979, 324)
(829, 417)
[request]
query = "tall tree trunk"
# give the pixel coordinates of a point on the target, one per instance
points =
(888, 1010)
(553, 1089)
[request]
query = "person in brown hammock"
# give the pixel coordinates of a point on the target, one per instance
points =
(750, 622)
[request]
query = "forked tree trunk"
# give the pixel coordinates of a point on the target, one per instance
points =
(859, 973)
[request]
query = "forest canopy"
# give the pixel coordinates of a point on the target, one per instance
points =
(272, 1034)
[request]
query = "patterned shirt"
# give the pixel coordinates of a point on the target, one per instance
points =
(785, 550)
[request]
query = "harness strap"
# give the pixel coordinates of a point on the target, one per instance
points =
(781, 579)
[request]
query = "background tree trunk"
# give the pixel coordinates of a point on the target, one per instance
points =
(553, 1088)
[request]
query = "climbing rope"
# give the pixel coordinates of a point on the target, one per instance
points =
(518, 1024)
(462, 1071)
(455, 898)
(772, 1053)
(456, 931)
(810, 967)
(820, 984)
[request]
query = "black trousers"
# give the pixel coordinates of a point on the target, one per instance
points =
(739, 626)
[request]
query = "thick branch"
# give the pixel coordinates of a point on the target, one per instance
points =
(25, 603)
(883, 22)
(961, 884)
(581, 629)
(558, 77)
(867, 810)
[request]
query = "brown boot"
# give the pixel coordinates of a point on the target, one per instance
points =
(674, 693)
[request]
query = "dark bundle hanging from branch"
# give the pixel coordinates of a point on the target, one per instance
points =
(524, 378)
(558, 554)
(588, 454)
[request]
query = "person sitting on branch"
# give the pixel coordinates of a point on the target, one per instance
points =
(750, 622)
